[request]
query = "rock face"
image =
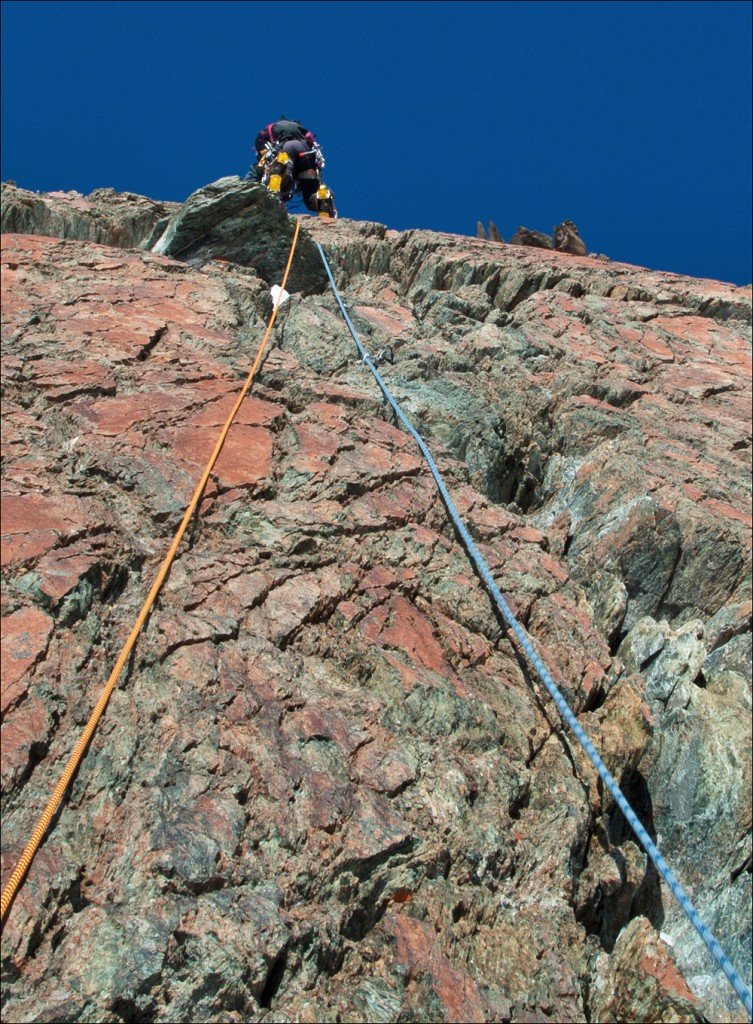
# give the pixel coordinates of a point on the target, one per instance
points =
(327, 786)
(105, 216)
(239, 221)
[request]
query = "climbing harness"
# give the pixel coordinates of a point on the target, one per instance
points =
(272, 168)
(645, 840)
(277, 177)
(275, 172)
(275, 168)
(75, 759)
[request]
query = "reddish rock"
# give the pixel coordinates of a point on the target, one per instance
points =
(245, 457)
(385, 771)
(25, 635)
(34, 523)
(648, 980)
(459, 997)
(327, 785)
(25, 734)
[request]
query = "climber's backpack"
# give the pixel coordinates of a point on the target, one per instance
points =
(283, 131)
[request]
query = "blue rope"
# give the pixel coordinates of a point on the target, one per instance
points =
(646, 842)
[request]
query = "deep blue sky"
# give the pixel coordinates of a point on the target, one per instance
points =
(633, 119)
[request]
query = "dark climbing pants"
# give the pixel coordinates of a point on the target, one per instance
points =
(305, 173)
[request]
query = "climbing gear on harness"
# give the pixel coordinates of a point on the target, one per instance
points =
(290, 161)
(316, 152)
(277, 173)
(276, 170)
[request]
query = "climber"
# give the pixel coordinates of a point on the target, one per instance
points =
(289, 161)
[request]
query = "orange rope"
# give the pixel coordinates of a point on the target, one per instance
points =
(31, 848)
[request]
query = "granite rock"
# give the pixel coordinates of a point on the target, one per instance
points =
(327, 787)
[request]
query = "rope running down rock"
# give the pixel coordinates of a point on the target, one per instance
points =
(651, 849)
(75, 759)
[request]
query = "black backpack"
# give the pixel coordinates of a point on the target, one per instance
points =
(282, 131)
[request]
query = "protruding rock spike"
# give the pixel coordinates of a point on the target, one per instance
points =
(567, 239)
(494, 235)
(480, 233)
